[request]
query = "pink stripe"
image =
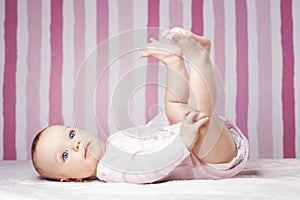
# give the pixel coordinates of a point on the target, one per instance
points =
(197, 17)
(176, 13)
(288, 98)
(124, 111)
(9, 82)
(33, 71)
(55, 115)
(152, 72)
(219, 46)
(79, 53)
(102, 60)
(264, 121)
(242, 66)
(102, 20)
(125, 15)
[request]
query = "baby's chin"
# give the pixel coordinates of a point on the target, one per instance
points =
(95, 149)
(94, 146)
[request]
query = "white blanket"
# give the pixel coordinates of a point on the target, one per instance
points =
(261, 179)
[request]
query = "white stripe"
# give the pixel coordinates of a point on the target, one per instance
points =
(140, 20)
(276, 79)
(187, 14)
(91, 64)
(113, 53)
(21, 74)
(2, 57)
(230, 62)
(253, 79)
(164, 21)
(209, 23)
(296, 28)
(45, 64)
(68, 62)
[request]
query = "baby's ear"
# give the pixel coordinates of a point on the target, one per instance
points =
(70, 180)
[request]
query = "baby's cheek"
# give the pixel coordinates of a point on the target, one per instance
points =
(89, 165)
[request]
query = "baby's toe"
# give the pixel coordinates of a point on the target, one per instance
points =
(172, 34)
(178, 31)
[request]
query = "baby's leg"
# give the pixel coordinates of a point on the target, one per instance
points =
(202, 85)
(177, 89)
(214, 144)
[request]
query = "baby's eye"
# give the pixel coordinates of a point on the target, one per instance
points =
(65, 155)
(71, 135)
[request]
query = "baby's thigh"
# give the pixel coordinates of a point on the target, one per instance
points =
(215, 145)
(174, 111)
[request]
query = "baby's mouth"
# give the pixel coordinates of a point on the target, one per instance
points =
(86, 148)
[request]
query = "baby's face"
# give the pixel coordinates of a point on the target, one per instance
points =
(65, 152)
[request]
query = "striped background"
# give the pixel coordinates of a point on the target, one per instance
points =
(43, 44)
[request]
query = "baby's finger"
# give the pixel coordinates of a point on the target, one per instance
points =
(202, 121)
(200, 115)
(190, 118)
(186, 111)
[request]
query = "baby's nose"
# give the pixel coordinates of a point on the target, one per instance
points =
(76, 145)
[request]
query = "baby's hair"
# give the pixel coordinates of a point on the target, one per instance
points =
(33, 149)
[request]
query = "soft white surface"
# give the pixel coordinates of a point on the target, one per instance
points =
(261, 179)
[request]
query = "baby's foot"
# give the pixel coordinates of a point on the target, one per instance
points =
(168, 54)
(190, 43)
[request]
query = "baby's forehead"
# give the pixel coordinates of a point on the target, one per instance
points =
(50, 143)
(53, 132)
(56, 129)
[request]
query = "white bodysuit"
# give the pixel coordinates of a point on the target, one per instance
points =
(156, 152)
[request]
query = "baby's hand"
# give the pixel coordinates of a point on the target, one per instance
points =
(164, 52)
(190, 126)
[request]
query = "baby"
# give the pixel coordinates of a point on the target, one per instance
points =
(192, 143)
